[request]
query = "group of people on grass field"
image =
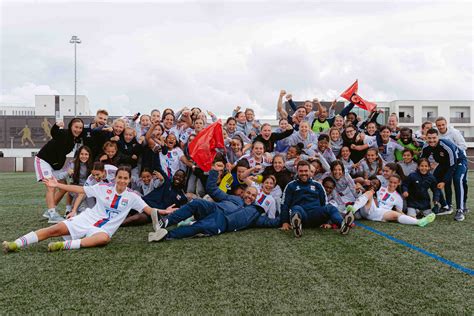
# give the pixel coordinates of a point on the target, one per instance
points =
(319, 168)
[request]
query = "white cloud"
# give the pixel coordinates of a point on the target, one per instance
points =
(26, 94)
(219, 55)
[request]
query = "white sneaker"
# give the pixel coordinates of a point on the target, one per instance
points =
(54, 217)
(158, 235)
(46, 214)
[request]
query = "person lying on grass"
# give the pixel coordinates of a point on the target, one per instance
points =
(228, 214)
(95, 226)
(386, 205)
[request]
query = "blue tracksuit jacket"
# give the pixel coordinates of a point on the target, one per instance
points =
(305, 194)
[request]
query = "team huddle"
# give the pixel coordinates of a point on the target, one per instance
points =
(317, 169)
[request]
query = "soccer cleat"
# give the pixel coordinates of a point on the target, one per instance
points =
(347, 223)
(157, 219)
(297, 225)
(350, 208)
(10, 246)
(459, 216)
(157, 235)
(55, 246)
(426, 220)
(55, 218)
(187, 222)
(445, 211)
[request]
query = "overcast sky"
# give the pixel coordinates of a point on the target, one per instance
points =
(139, 56)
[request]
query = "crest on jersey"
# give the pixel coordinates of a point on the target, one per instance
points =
(313, 187)
(109, 191)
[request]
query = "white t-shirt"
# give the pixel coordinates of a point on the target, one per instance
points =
(111, 208)
(388, 200)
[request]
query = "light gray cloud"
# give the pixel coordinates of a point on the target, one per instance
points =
(219, 55)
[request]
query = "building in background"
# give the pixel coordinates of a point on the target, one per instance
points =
(15, 109)
(25, 129)
(49, 105)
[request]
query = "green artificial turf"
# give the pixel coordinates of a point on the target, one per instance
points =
(262, 271)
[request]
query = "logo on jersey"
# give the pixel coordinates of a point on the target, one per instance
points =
(109, 191)
(441, 154)
(313, 187)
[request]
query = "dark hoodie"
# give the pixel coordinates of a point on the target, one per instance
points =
(61, 144)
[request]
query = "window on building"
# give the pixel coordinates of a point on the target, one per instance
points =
(430, 114)
(460, 114)
(401, 114)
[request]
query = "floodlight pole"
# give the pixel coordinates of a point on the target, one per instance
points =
(75, 40)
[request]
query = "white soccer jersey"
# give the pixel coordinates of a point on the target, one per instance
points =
(253, 162)
(267, 201)
(110, 171)
(171, 162)
(388, 153)
(110, 208)
(388, 200)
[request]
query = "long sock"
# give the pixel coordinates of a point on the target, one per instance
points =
(360, 202)
(407, 220)
(72, 244)
(52, 210)
(28, 239)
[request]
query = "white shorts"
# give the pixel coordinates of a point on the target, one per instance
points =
(373, 213)
(81, 226)
(44, 169)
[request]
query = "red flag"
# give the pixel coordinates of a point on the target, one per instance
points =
(202, 148)
(351, 95)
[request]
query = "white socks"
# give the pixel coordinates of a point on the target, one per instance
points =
(407, 220)
(72, 244)
(28, 239)
(360, 202)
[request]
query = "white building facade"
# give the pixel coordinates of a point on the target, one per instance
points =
(49, 105)
(17, 110)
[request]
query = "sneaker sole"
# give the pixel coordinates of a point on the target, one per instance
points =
(155, 221)
(5, 247)
(347, 223)
(158, 235)
(296, 225)
(444, 213)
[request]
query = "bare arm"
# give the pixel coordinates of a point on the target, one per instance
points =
(53, 183)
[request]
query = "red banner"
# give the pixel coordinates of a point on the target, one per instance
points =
(351, 95)
(202, 148)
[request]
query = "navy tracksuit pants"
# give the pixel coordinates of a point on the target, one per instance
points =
(316, 216)
(460, 186)
(210, 220)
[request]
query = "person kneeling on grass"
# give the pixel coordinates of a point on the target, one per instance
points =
(95, 226)
(229, 213)
(378, 206)
(305, 203)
